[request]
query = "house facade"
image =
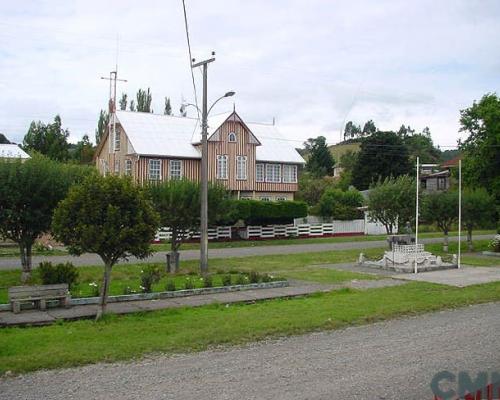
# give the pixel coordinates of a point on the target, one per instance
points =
(251, 160)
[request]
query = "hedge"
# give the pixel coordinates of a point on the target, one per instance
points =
(255, 212)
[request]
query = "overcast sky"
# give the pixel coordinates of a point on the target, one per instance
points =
(310, 64)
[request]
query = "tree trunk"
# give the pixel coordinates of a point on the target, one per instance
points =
(446, 242)
(470, 248)
(173, 259)
(104, 291)
(25, 250)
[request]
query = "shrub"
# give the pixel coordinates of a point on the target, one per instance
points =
(226, 280)
(254, 212)
(241, 279)
(149, 276)
(59, 273)
(128, 290)
(266, 278)
(170, 286)
(95, 289)
(495, 244)
(188, 284)
(340, 205)
(208, 281)
(254, 277)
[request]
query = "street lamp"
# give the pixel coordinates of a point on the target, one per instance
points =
(204, 172)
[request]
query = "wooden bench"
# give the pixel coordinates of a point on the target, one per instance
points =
(38, 294)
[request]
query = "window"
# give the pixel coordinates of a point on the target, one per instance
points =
(265, 198)
(280, 198)
(273, 173)
(221, 167)
(441, 183)
(259, 172)
(175, 169)
(231, 137)
(104, 167)
(128, 167)
(117, 167)
(289, 174)
(154, 170)
(117, 140)
(241, 167)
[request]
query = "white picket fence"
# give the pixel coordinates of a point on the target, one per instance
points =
(219, 232)
(304, 230)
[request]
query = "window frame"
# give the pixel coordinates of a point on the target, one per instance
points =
(224, 159)
(244, 160)
(275, 168)
(281, 198)
(263, 166)
(180, 170)
(128, 167)
(265, 198)
(231, 134)
(150, 162)
(292, 170)
(117, 140)
(117, 167)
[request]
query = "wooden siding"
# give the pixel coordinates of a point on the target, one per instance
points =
(190, 168)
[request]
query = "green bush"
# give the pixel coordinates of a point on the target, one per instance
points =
(241, 279)
(254, 277)
(340, 205)
(170, 286)
(189, 284)
(208, 281)
(150, 275)
(95, 289)
(255, 212)
(59, 273)
(226, 280)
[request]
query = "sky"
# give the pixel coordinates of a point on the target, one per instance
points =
(312, 65)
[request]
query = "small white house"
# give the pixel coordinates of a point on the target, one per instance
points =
(12, 151)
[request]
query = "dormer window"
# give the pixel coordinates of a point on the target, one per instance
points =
(231, 137)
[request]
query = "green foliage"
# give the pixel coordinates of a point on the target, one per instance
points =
(255, 212)
(144, 100)
(241, 279)
(29, 193)
(478, 211)
(254, 277)
(170, 286)
(381, 155)
(481, 160)
(392, 202)
(59, 273)
(320, 161)
(208, 281)
(150, 275)
(311, 189)
(440, 208)
(495, 244)
(421, 145)
(341, 205)
(351, 130)
(369, 128)
(189, 284)
(226, 280)
(50, 140)
(123, 102)
(84, 151)
(102, 126)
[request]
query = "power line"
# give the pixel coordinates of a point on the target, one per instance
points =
(190, 58)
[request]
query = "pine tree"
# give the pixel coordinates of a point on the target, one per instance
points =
(168, 107)
(123, 102)
(102, 126)
(320, 161)
(144, 100)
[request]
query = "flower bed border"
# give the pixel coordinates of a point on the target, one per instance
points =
(171, 294)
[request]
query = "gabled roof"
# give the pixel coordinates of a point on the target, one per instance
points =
(12, 151)
(164, 135)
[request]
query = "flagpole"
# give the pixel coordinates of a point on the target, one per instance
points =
(459, 212)
(416, 215)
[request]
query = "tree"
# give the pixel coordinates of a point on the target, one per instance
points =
(369, 128)
(123, 102)
(3, 139)
(102, 126)
(478, 211)
(381, 155)
(29, 193)
(109, 216)
(144, 99)
(84, 151)
(441, 208)
(168, 107)
(421, 145)
(178, 204)
(132, 105)
(340, 205)
(50, 140)
(392, 202)
(351, 130)
(320, 161)
(481, 160)
(311, 189)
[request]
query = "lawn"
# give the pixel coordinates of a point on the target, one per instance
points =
(194, 329)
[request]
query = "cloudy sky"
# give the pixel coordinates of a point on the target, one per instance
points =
(310, 64)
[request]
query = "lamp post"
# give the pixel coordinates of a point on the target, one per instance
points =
(204, 166)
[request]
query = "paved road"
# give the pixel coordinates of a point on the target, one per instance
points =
(391, 360)
(94, 259)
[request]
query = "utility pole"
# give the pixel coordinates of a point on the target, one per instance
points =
(416, 214)
(204, 168)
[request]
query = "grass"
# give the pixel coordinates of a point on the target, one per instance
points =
(193, 329)
(8, 250)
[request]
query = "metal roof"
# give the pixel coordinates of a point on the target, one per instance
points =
(12, 151)
(165, 135)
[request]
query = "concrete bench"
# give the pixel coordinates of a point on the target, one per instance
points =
(38, 294)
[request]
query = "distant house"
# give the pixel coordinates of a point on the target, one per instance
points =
(12, 151)
(252, 160)
(435, 177)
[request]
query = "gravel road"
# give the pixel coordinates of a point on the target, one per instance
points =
(389, 360)
(94, 259)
